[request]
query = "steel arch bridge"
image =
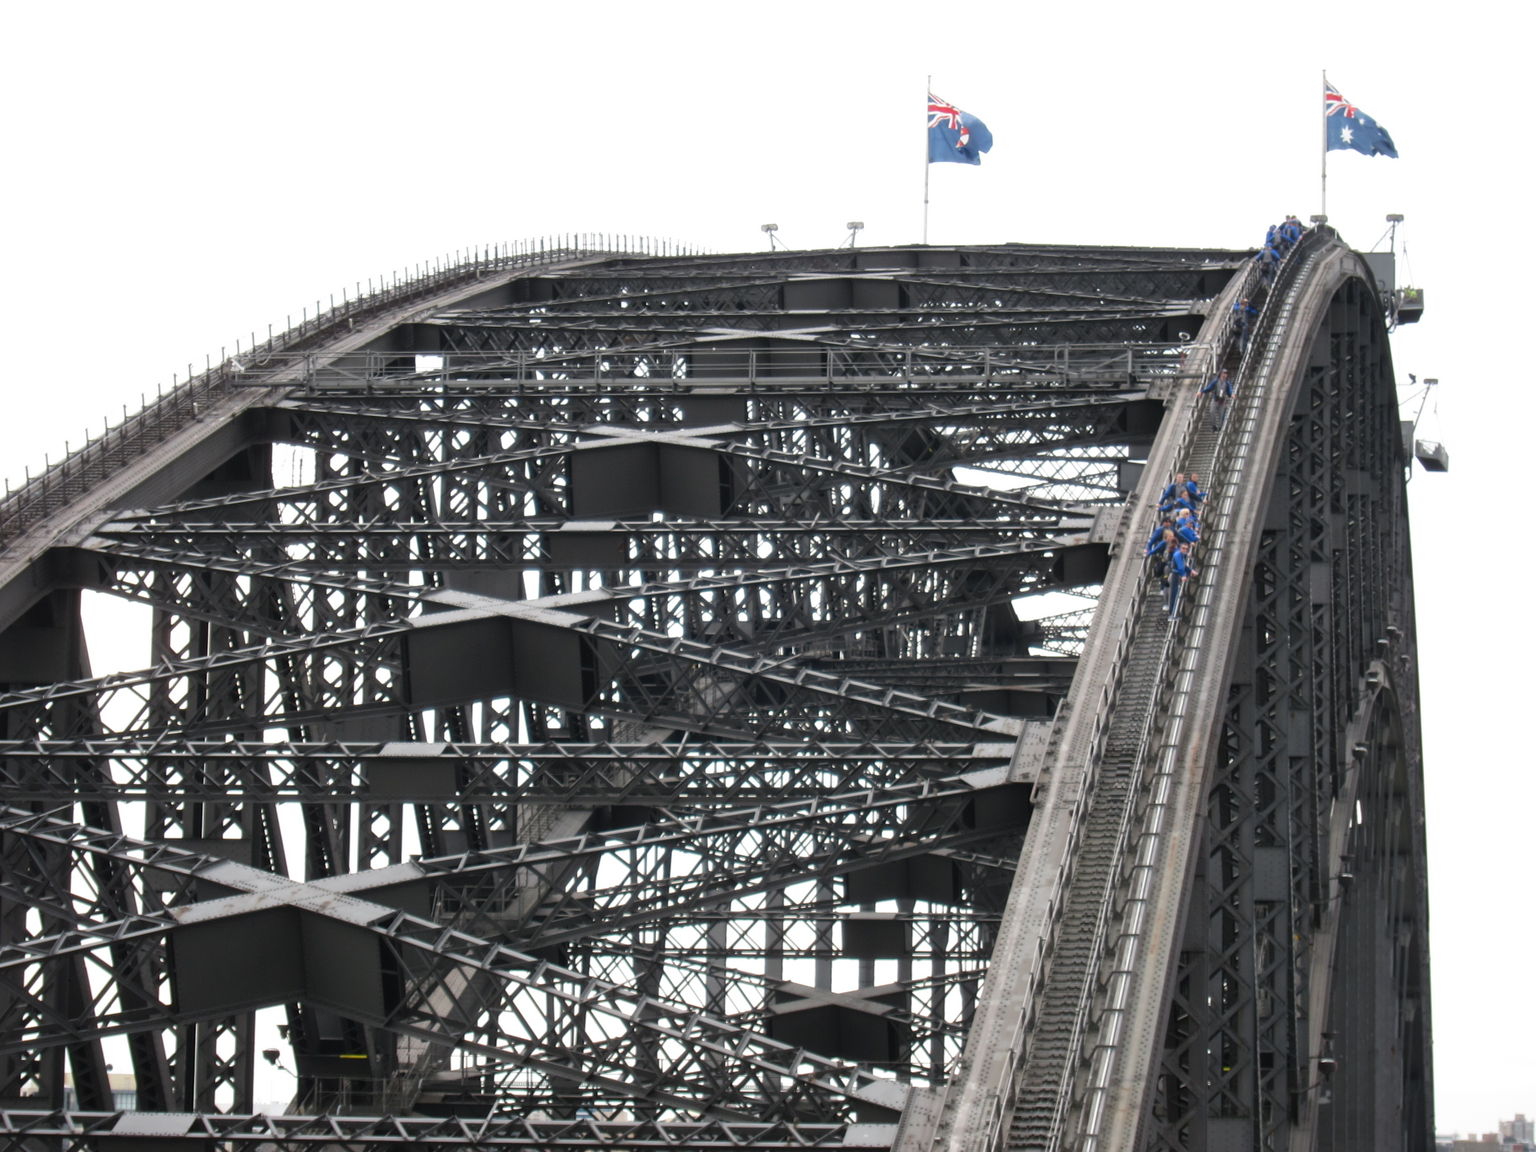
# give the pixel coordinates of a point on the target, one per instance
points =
(594, 698)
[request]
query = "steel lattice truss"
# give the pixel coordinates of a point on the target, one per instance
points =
(1313, 842)
(589, 705)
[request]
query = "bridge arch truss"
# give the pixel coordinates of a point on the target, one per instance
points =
(624, 700)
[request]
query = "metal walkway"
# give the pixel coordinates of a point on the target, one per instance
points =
(1102, 886)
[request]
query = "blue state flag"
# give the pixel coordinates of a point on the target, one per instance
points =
(955, 137)
(1348, 127)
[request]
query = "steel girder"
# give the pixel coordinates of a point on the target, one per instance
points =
(1314, 781)
(1159, 891)
(91, 1132)
(1301, 1017)
(595, 588)
(566, 772)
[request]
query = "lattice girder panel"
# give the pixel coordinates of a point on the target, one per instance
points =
(88, 1132)
(981, 331)
(675, 375)
(625, 545)
(521, 1002)
(751, 480)
(599, 635)
(1183, 277)
(767, 611)
(1329, 601)
(697, 774)
(728, 856)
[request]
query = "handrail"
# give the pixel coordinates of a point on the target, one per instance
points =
(1098, 740)
(1233, 450)
(999, 1107)
(64, 480)
(102, 455)
(1206, 357)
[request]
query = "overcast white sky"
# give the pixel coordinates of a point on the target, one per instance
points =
(181, 174)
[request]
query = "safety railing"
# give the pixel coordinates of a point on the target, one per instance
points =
(1234, 446)
(1104, 713)
(1206, 360)
(106, 452)
(1001, 1097)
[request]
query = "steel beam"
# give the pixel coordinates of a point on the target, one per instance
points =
(612, 687)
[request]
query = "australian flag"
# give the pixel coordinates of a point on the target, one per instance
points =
(955, 137)
(1348, 127)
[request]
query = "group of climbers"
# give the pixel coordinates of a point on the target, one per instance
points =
(1278, 242)
(1177, 532)
(1170, 547)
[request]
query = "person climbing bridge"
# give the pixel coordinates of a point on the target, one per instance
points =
(1243, 315)
(1186, 528)
(1175, 487)
(1179, 570)
(1159, 546)
(1220, 389)
(1182, 493)
(1196, 493)
(1268, 259)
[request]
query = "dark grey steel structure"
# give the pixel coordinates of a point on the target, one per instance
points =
(597, 698)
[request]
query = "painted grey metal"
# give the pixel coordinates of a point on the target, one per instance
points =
(594, 681)
(1067, 1045)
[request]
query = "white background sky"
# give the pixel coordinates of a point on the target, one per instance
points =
(181, 174)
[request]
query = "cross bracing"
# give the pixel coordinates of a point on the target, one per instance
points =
(566, 772)
(664, 373)
(627, 701)
(88, 1132)
(529, 544)
(738, 851)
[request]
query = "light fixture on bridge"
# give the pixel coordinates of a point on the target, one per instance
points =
(1346, 873)
(773, 240)
(854, 228)
(273, 1056)
(1406, 303)
(1431, 454)
(1319, 220)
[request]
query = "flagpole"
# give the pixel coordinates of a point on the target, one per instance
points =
(927, 97)
(1324, 209)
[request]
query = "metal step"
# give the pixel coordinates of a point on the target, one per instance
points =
(1056, 1034)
